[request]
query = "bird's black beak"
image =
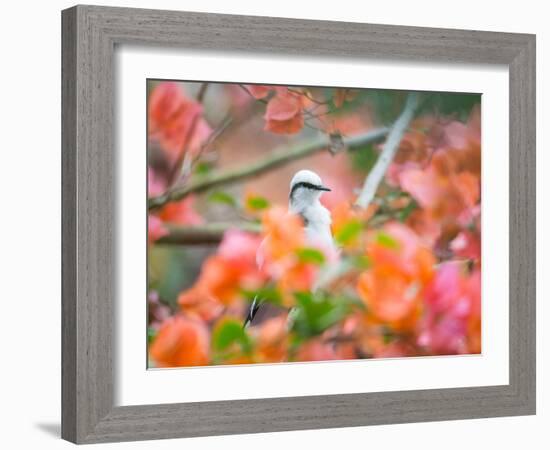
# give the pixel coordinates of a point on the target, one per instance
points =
(323, 188)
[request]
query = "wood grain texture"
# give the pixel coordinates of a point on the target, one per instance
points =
(523, 225)
(68, 226)
(89, 214)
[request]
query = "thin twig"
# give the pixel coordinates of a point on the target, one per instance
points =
(202, 92)
(244, 88)
(215, 134)
(388, 151)
(277, 159)
(178, 164)
(312, 115)
(308, 96)
(220, 129)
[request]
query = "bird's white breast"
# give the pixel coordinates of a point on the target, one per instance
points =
(317, 225)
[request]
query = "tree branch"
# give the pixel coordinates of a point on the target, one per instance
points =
(211, 233)
(277, 159)
(202, 92)
(388, 151)
(182, 159)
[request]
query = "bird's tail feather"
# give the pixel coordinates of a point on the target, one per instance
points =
(254, 307)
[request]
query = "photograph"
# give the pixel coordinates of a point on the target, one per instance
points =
(291, 224)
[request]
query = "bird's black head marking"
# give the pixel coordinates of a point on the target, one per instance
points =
(305, 184)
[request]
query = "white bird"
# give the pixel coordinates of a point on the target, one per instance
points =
(306, 188)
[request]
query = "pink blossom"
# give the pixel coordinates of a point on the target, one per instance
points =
(155, 185)
(452, 313)
(155, 229)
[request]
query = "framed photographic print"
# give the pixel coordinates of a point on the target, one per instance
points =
(266, 230)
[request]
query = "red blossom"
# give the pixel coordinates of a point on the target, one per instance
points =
(259, 91)
(225, 274)
(199, 302)
(284, 113)
(176, 120)
(181, 342)
(181, 212)
(401, 267)
(273, 340)
(441, 167)
(467, 245)
(316, 350)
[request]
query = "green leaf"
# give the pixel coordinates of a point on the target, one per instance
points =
(316, 313)
(387, 336)
(303, 297)
(386, 240)
(364, 158)
(361, 261)
(151, 333)
(222, 197)
(203, 168)
(310, 255)
(349, 232)
(406, 211)
(169, 283)
(455, 104)
(257, 203)
(228, 332)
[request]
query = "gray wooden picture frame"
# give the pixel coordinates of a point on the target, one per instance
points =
(90, 34)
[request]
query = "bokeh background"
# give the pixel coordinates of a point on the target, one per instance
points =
(407, 279)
